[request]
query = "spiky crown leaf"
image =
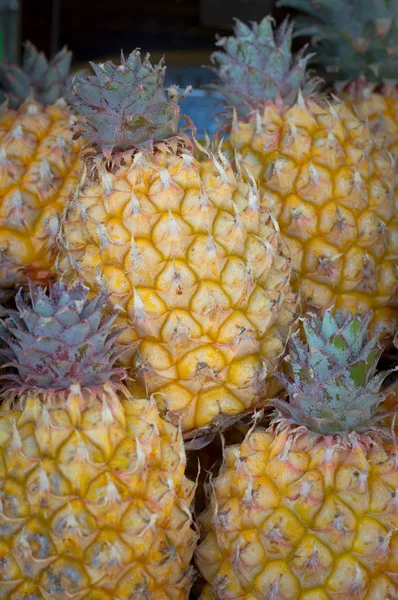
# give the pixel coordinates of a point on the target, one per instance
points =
(126, 106)
(334, 387)
(352, 38)
(46, 80)
(256, 65)
(60, 339)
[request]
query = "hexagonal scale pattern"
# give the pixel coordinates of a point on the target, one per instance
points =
(331, 187)
(380, 110)
(39, 168)
(94, 503)
(295, 517)
(198, 270)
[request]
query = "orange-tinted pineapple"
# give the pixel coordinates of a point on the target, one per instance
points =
(318, 167)
(307, 509)
(94, 500)
(39, 165)
(181, 245)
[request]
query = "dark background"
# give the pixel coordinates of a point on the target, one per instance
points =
(183, 31)
(97, 29)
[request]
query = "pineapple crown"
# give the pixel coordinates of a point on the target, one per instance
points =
(46, 80)
(60, 339)
(256, 64)
(353, 38)
(334, 387)
(125, 106)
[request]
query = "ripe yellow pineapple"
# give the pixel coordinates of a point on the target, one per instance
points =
(356, 45)
(330, 185)
(94, 501)
(182, 247)
(39, 165)
(307, 509)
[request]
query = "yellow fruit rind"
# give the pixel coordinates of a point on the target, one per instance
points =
(39, 168)
(331, 188)
(299, 516)
(94, 501)
(198, 269)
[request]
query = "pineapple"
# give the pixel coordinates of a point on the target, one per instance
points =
(94, 501)
(328, 181)
(356, 43)
(39, 165)
(182, 247)
(307, 509)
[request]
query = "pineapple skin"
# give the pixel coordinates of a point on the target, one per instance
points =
(297, 517)
(331, 187)
(185, 251)
(39, 168)
(379, 110)
(94, 501)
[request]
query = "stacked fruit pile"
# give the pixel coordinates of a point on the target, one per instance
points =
(174, 295)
